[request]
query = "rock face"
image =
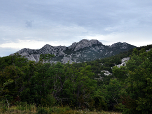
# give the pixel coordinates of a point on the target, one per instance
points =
(106, 73)
(123, 61)
(148, 50)
(83, 44)
(84, 50)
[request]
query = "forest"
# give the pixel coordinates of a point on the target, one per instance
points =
(69, 87)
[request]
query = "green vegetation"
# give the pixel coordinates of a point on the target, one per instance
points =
(44, 88)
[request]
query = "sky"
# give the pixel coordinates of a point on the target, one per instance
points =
(34, 23)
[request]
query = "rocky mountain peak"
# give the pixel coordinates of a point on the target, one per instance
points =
(121, 45)
(27, 50)
(47, 46)
(83, 43)
(84, 50)
(93, 41)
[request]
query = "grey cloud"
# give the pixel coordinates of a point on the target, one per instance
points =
(28, 23)
(66, 20)
(94, 15)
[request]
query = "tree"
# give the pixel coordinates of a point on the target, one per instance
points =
(46, 57)
(10, 82)
(85, 86)
(111, 93)
(138, 97)
(120, 73)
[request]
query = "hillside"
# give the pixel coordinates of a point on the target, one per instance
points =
(94, 85)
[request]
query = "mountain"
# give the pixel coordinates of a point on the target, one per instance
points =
(84, 50)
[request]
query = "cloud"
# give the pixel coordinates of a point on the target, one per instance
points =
(7, 51)
(58, 33)
(131, 38)
(29, 23)
(32, 44)
(62, 22)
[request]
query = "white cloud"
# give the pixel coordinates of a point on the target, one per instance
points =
(32, 24)
(33, 44)
(22, 44)
(131, 38)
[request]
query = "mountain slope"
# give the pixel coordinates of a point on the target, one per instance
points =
(84, 50)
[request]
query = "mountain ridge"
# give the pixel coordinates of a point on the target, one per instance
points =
(84, 50)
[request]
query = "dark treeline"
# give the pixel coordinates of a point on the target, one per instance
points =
(128, 89)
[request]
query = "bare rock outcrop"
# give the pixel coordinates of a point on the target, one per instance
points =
(84, 50)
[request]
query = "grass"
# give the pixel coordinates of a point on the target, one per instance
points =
(15, 110)
(24, 108)
(18, 110)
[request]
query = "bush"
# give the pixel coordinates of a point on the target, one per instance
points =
(60, 110)
(48, 101)
(42, 110)
(100, 104)
(3, 109)
(3, 106)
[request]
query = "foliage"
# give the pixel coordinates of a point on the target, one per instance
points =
(128, 89)
(136, 91)
(120, 73)
(46, 57)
